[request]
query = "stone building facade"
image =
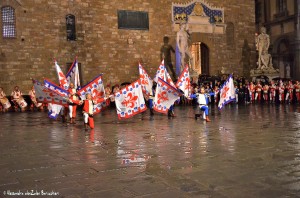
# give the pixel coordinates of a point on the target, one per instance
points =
(101, 47)
(282, 21)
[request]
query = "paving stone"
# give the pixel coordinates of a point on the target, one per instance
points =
(158, 157)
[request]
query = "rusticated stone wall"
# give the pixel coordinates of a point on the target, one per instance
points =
(103, 48)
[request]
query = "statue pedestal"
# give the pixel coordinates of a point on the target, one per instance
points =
(269, 72)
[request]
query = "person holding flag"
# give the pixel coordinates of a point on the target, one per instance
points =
(202, 99)
(88, 110)
(73, 102)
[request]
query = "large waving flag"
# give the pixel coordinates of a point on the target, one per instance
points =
(46, 95)
(227, 93)
(96, 89)
(163, 74)
(165, 96)
(146, 81)
(73, 75)
(184, 82)
(61, 76)
(130, 100)
(55, 88)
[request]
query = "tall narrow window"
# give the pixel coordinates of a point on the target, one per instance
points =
(257, 12)
(71, 30)
(8, 22)
(281, 6)
(230, 35)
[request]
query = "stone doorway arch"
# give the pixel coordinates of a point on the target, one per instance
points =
(283, 57)
(200, 54)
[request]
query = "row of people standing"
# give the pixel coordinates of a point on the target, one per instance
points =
(258, 92)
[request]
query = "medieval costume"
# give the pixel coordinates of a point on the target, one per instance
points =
(5, 104)
(202, 99)
(73, 102)
(33, 100)
(17, 98)
(88, 110)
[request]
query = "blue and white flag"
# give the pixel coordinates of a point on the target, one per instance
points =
(227, 93)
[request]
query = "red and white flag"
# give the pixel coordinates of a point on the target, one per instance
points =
(130, 100)
(96, 89)
(165, 96)
(45, 95)
(184, 82)
(73, 75)
(163, 74)
(227, 93)
(146, 81)
(55, 88)
(61, 77)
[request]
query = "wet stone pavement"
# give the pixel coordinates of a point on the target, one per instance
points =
(246, 151)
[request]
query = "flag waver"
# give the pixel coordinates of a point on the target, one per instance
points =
(184, 82)
(165, 96)
(146, 81)
(130, 100)
(227, 93)
(96, 89)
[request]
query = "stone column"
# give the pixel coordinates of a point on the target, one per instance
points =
(297, 45)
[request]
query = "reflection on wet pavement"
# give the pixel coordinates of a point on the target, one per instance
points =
(246, 151)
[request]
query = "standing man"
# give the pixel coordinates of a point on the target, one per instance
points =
(165, 53)
(73, 102)
(88, 110)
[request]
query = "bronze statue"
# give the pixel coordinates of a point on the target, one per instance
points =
(165, 54)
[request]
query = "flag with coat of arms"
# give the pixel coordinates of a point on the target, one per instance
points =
(227, 93)
(163, 74)
(165, 96)
(184, 82)
(130, 100)
(96, 88)
(146, 81)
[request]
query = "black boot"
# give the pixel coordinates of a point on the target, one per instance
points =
(86, 126)
(197, 116)
(151, 112)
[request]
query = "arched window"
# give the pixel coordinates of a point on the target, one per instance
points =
(8, 22)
